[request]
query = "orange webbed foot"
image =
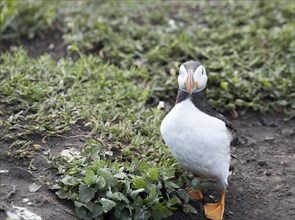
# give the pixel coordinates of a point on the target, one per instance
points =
(215, 211)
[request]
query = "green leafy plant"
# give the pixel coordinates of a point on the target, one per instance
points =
(26, 18)
(101, 188)
(244, 47)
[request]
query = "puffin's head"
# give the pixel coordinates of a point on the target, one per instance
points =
(192, 77)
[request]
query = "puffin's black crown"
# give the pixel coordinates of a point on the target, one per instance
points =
(191, 65)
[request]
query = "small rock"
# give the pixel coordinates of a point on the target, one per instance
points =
(275, 190)
(250, 141)
(289, 193)
(267, 173)
(234, 114)
(230, 213)
(25, 199)
(51, 46)
(288, 131)
(269, 138)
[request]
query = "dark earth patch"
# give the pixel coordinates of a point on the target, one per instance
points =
(51, 42)
(15, 183)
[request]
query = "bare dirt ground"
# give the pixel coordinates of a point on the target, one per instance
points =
(262, 186)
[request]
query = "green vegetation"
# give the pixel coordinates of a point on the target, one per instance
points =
(129, 54)
(129, 190)
(26, 18)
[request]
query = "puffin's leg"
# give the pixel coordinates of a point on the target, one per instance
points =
(215, 211)
(195, 194)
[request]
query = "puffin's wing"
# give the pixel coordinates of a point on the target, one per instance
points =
(230, 127)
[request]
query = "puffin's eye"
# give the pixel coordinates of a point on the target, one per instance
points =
(202, 71)
(182, 71)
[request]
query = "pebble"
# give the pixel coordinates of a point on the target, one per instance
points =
(230, 213)
(269, 138)
(250, 141)
(275, 190)
(51, 46)
(267, 173)
(288, 131)
(290, 193)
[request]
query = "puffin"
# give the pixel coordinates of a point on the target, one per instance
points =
(198, 137)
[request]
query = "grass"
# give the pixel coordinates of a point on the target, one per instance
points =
(111, 102)
(129, 55)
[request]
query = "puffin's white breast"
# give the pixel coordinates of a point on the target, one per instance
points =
(200, 142)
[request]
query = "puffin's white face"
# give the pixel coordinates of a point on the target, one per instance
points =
(190, 81)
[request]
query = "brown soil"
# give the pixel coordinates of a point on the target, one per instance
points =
(52, 43)
(261, 187)
(15, 183)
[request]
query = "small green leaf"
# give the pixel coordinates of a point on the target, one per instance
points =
(134, 193)
(69, 180)
(153, 195)
(173, 201)
(168, 173)
(160, 211)
(153, 174)
(120, 196)
(120, 175)
(107, 204)
(34, 187)
(107, 175)
(89, 177)
(81, 212)
(187, 208)
(138, 183)
(86, 193)
(101, 182)
(62, 194)
(224, 85)
(73, 48)
(171, 185)
(196, 183)
(142, 214)
(78, 204)
(183, 195)
(138, 202)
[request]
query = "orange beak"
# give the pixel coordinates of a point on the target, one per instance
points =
(190, 82)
